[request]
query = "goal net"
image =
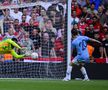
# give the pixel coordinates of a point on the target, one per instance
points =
(41, 27)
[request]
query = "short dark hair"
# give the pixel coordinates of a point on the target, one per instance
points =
(37, 28)
(74, 32)
(14, 39)
(93, 3)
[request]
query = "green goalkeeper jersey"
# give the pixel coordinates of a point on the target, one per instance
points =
(6, 47)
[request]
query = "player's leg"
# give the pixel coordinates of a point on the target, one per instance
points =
(68, 73)
(83, 71)
(69, 69)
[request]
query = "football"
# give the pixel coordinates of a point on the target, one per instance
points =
(34, 55)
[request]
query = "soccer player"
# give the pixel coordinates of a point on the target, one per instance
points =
(80, 43)
(7, 47)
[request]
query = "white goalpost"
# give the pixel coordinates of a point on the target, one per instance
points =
(69, 32)
(54, 56)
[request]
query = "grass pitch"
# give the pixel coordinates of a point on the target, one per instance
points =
(33, 84)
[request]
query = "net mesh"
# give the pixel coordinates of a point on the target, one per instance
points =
(40, 26)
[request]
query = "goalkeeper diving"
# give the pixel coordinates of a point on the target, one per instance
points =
(7, 47)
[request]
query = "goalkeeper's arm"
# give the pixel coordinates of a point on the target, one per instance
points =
(13, 43)
(16, 55)
(17, 46)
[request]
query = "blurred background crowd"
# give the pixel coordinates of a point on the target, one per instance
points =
(41, 27)
(8, 2)
(90, 18)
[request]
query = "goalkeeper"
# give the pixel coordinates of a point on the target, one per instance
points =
(7, 47)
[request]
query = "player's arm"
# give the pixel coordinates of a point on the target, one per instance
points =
(13, 43)
(16, 55)
(94, 40)
(100, 49)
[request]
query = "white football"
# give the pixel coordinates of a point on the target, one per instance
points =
(34, 55)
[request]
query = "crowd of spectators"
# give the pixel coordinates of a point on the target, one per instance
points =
(10, 2)
(90, 18)
(39, 28)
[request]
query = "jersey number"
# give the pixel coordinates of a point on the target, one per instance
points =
(83, 44)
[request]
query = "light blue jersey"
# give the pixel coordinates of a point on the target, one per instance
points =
(80, 43)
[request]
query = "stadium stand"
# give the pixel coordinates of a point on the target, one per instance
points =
(45, 20)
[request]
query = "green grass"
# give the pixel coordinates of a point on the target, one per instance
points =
(30, 84)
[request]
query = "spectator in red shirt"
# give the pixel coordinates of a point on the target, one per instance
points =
(24, 23)
(77, 8)
(82, 25)
(103, 32)
(96, 24)
(34, 20)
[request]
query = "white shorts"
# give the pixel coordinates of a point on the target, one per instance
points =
(75, 61)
